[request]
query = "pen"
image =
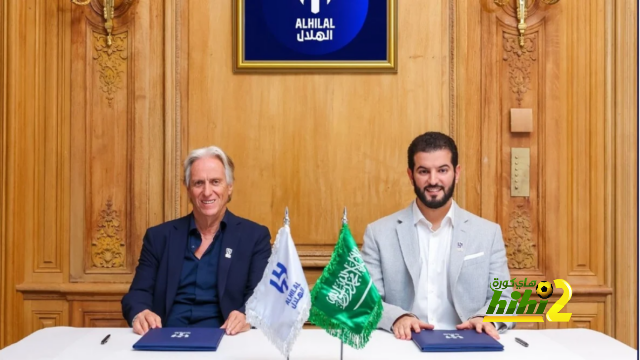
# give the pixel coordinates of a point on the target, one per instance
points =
(106, 338)
(522, 342)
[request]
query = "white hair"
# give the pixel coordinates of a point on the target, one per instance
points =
(213, 152)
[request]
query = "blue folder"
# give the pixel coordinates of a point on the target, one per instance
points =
(180, 339)
(454, 341)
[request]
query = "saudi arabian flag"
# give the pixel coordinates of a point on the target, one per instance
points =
(344, 300)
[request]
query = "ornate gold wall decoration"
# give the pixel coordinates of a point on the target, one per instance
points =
(112, 62)
(520, 248)
(108, 248)
(522, 13)
(520, 59)
(108, 13)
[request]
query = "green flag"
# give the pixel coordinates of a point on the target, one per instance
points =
(344, 300)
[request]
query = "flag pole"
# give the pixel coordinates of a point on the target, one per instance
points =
(344, 221)
(286, 222)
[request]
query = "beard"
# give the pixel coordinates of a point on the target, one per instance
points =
(434, 203)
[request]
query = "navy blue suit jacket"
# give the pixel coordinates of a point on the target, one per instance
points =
(157, 276)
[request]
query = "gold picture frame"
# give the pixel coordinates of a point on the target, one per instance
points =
(240, 65)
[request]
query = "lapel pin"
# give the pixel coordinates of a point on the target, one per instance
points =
(460, 246)
(228, 253)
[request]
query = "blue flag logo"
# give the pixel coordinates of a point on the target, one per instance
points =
(281, 277)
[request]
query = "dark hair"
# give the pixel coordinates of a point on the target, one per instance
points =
(429, 142)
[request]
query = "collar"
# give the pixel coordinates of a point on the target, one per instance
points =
(417, 215)
(223, 223)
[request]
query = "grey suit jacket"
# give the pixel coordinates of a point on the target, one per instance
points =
(391, 253)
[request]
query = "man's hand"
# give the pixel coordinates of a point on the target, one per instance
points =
(236, 323)
(144, 321)
(476, 323)
(407, 322)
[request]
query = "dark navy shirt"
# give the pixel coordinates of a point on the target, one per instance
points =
(197, 302)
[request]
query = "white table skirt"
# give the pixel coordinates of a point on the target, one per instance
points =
(84, 343)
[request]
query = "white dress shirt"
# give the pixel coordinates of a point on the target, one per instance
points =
(433, 303)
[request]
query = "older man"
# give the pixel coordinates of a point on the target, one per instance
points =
(199, 270)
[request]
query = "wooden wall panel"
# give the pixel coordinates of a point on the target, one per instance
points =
(585, 116)
(468, 92)
(585, 315)
(557, 172)
(563, 228)
(172, 108)
(40, 314)
(512, 78)
(116, 165)
(52, 113)
(31, 93)
(3, 152)
(316, 142)
(40, 118)
(625, 225)
(587, 307)
(101, 124)
(97, 314)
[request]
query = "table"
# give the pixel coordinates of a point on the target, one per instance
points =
(543, 344)
(84, 343)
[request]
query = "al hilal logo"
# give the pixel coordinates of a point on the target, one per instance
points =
(293, 295)
(314, 26)
(315, 5)
(281, 279)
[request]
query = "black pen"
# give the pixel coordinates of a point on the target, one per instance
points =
(522, 342)
(106, 338)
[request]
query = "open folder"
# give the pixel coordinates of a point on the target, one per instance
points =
(454, 340)
(180, 339)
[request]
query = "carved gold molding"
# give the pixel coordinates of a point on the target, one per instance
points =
(108, 247)
(112, 62)
(520, 247)
(520, 59)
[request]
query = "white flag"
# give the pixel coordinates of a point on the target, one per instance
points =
(280, 303)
